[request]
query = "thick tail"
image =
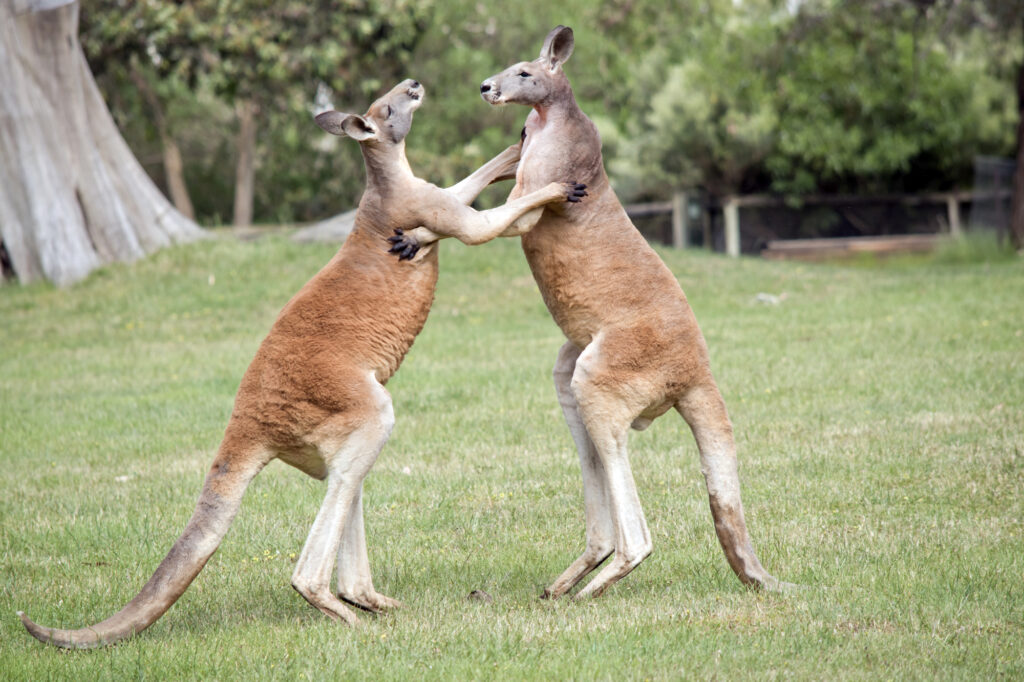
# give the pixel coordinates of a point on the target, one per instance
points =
(704, 410)
(218, 503)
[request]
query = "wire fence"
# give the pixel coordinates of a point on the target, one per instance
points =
(751, 223)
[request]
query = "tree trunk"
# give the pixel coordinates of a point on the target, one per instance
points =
(1017, 208)
(72, 195)
(245, 169)
(174, 168)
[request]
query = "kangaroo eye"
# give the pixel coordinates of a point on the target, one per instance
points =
(524, 75)
(387, 111)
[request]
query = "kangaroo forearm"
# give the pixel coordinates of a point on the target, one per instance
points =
(484, 226)
(424, 235)
(523, 224)
(501, 167)
(479, 231)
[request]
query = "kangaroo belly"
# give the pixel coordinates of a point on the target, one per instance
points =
(563, 283)
(599, 271)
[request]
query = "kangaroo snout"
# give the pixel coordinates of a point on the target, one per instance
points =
(490, 92)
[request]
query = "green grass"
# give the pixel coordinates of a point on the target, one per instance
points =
(878, 412)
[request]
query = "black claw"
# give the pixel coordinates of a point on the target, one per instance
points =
(399, 231)
(409, 252)
(398, 246)
(576, 192)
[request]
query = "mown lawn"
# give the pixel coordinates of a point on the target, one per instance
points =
(878, 409)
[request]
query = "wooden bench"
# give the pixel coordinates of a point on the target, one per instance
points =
(848, 247)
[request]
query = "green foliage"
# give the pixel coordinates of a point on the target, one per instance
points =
(870, 100)
(261, 50)
(834, 96)
(712, 118)
(273, 53)
(877, 413)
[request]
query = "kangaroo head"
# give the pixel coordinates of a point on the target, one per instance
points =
(386, 122)
(536, 83)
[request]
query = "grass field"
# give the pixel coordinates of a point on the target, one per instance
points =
(878, 409)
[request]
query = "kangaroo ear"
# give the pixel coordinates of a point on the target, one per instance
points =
(352, 125)
(557, 47)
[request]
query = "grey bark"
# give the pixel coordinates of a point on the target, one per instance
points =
(72, 195)
(174, 166)
(245, 168)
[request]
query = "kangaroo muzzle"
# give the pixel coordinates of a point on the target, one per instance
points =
(490, 93)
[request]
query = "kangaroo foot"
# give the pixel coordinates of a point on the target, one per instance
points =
(328, 604)
(370, 600)
(619, 567)
(587, 562)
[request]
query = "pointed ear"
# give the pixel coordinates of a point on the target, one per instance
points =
(352, 125)
(557, 47)
(330, 121)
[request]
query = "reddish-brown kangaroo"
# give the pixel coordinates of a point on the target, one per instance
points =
(634, 349)
(314, 394)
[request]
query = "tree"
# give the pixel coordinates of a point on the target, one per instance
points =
(72, 195)
(809, 96)
(262, 57)
(870, 101)
(116, 40)
(711, 116)
(1002, 22)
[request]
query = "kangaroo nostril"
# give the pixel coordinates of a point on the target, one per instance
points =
(485, 88)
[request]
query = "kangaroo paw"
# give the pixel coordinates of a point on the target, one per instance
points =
(575, 192)
(404, 245)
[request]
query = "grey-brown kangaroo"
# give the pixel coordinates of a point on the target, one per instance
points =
(314, 395)
(634, 349)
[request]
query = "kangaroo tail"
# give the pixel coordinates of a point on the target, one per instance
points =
(218, 503)
(704, 411)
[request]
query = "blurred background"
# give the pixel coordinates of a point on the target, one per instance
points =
(815, 118)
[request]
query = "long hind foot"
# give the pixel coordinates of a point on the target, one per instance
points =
(587, 562)
(618, 568)
(327, 603)
(371, 600)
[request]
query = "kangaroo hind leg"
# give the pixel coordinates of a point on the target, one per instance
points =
(355, 584)
(607, 413)
(600, 530)
(349, 453)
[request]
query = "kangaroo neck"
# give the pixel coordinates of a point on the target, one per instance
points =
(386, 166)
(558, 109)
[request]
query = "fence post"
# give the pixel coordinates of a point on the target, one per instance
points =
(953, 210)
(680, 221)
(731, 210)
